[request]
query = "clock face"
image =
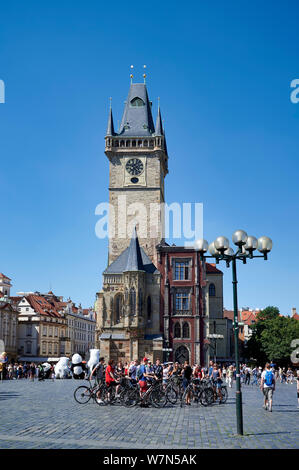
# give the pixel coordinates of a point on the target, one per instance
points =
(134, 166)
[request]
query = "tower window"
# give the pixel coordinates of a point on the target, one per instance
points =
(149, 309)
(212, 290)
(137, 102)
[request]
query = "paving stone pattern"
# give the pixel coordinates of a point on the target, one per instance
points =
(45, 415)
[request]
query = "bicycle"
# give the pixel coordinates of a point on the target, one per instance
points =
(83, 393)
(154, 393)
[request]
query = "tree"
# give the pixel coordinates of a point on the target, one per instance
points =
(272, 336)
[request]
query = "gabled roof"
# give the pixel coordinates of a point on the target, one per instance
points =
(211, 269)
(137, 121)
(132, 258)
(2, 276)
(248, 317)
(42, 306)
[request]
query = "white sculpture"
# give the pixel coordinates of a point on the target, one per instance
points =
(76, 367)
(62, 368)
(94, 359)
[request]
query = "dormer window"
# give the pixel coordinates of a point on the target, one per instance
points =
(137, 102)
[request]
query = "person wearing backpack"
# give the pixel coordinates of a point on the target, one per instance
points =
(268, 387)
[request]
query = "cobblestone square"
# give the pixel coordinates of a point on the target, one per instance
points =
(45, 415)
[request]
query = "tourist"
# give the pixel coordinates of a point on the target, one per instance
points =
(143, 375)
(187, 375)
(217, 381)
(110, 377)
(268, 387)
(230, 375)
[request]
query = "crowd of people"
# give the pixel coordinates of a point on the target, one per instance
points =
(145, 371)
(26, 370)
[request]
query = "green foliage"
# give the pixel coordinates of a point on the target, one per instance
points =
(272, 336)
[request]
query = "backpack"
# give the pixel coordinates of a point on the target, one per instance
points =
(139, 373)
(269, 378)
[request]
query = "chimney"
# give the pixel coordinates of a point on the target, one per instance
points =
(294, 310)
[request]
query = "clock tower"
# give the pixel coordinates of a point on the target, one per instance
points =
(138, 164)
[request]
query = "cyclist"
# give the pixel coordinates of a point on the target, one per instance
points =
(158, 369)
(217, 381)
(143, 376)
(187, 375)
(110, 377)
(99, 372)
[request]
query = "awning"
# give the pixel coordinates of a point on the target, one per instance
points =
(38, 359)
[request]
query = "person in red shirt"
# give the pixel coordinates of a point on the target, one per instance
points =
(110, 377)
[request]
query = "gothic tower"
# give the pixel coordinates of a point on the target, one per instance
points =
(128, 307)
(138, 164)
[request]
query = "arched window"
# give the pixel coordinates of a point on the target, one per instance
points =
(137, 102)
(140, 302)
(212, 290)
(132, 301)
(149, 308)
(118, 308)
(127, 143)
(186, 330)
(177, 330)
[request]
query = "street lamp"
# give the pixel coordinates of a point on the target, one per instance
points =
(221, 251)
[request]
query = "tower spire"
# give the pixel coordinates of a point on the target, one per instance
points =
(110, 126)
(159, 126)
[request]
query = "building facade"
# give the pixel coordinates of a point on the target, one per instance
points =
(146, 306)
(8, 319)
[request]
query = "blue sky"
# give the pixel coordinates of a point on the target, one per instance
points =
(223, 74)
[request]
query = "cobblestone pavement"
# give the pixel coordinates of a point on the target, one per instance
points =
(45, 415)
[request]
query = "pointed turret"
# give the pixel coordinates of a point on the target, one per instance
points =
(110, 126)
(137, 120)
(134, 260)
(159, 127)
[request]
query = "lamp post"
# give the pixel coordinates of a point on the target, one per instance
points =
(221, 251)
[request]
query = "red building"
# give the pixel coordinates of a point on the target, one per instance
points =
(183, 302)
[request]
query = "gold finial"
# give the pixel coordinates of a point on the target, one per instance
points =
(131, 76)
(144, 75)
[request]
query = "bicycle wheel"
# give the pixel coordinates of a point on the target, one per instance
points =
(171, 395)
(224, 394)
(158, 397)
(206, 397)
(82, 394)
(131, 398)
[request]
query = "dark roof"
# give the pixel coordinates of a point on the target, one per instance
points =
(110, 126)
(159, 127)
(137, 121)
(132, 258)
